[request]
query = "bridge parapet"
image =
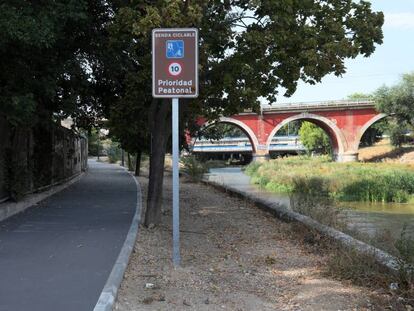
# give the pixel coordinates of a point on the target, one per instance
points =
(320, 106)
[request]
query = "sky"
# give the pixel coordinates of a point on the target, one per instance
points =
(384, 67)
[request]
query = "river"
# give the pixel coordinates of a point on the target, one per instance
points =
(364, 217)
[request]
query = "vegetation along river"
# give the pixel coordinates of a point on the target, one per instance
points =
(369, 218)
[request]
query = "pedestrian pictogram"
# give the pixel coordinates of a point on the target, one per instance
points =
(175, 49)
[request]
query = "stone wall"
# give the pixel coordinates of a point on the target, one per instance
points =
(4, 133)
(34, 159)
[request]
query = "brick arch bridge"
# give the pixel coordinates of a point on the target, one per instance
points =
(345, 122)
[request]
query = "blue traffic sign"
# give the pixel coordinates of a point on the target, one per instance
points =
(175, 49)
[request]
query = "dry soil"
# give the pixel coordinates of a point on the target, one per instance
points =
(234, 257)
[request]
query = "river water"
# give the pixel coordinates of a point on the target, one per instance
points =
(364, 217)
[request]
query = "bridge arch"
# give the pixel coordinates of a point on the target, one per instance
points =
(335, 134)
(364, 128)
(246, 129)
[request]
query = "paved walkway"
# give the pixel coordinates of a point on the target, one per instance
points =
(235, 178)
(58, 255)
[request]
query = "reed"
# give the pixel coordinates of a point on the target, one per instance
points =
(371, 182)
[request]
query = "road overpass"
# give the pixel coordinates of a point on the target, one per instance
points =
(281, 144)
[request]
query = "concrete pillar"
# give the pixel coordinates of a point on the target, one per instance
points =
(261, 155)
(346, 157)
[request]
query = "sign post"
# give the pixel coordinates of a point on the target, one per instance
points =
(175, 75)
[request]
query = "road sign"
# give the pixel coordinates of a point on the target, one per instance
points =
(175, 75)
(175, 63)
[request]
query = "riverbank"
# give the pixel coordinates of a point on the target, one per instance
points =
(383, 151)
(235, 257)
(369, 182)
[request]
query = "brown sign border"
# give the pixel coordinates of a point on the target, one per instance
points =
(154, 31)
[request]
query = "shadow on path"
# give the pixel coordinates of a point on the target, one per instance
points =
(57, 255)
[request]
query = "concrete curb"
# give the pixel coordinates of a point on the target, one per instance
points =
(9, 209)
(109, 293)
(383, 258)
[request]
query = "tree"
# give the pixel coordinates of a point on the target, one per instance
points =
(217, 131)
(130, 130)
(398, 100)
(248, 50)
(94, 143)
(360, 96)
(314, 138)
(374, 133)
(397, 133)
(48, 52)
(292, 128)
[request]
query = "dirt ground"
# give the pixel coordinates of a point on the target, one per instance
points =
(234, 257)
(384, 152)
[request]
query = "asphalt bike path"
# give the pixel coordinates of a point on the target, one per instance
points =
(57, 255)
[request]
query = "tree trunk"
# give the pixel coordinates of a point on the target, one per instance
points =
(129, 162)
(160, 131)
(138, 163)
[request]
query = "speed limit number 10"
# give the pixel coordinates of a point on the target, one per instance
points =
(175, 69)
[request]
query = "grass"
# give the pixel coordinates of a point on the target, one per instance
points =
(369, 182)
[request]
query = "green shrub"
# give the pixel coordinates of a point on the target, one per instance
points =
(193, 168)
(114, 152)
(374, 182)
(311, 186)
(278, 187)
(382, 187)
(252, 168)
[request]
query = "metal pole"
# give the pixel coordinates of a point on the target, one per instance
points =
(176, 183)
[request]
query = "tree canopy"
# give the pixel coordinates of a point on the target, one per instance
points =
(92, 60)
(57, 54)
(398, 100)
(314, 138)
(48, 54)
(360, 96)
(249, 50)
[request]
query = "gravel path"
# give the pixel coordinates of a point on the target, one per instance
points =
(235, 257)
